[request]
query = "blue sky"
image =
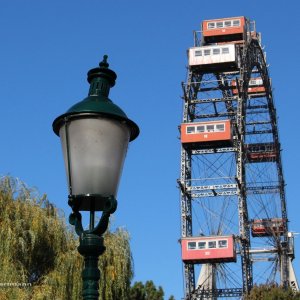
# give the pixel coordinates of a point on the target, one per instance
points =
(47, 47)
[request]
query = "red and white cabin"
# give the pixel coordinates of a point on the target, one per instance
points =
(203, 132)
(267, 227)
(213, 57)
(222, 30)
(256, 86)
(208, 249)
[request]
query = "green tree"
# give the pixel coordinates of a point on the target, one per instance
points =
(38, 248)
(271, 292)
(137, 291)
(153, 293)
(147, 291)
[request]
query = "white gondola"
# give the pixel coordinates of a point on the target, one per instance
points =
(212, 57)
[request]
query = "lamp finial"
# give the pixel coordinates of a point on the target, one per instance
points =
(104, 63)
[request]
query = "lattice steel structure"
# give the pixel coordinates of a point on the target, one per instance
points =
(228, 187)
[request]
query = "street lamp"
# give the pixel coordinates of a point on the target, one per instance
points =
(94, 134)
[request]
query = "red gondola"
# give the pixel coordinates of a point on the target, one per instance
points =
(203, 132)
(267, 227)
(255, 86)
(262, 152)
(208, 249)
(227, 29)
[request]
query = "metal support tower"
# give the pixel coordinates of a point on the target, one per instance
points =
(224, 188)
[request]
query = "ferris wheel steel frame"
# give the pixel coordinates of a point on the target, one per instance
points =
(238, 108)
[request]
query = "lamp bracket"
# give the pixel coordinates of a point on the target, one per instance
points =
(75, 218)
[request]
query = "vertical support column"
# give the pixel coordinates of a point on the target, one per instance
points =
(186, 201)
(243, 221)
(284, 242)
(186, 215)
(207, 279)
(242, 202)
(284, 265)
(293, 280)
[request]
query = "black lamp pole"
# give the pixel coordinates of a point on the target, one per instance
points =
(91, 247)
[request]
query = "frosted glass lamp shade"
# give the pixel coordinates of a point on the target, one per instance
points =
(94, 149)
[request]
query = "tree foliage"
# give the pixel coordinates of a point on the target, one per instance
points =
(147, 291)
(38, 248)
(271, 292)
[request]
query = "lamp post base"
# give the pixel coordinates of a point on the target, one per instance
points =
(91, 247)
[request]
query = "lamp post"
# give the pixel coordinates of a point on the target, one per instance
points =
(94, 134)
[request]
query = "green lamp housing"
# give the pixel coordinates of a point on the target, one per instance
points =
(95, 134)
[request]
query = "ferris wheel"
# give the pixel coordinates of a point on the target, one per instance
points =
(234, 225)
